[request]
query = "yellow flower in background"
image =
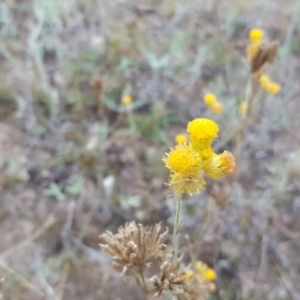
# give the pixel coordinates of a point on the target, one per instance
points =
(213, 104)
(256, 35)
(268, 85)
(219, 165)
(217, 107)
(243, 108)
(184, 160)
(274, 88)
(180, 139)
(209, 99)
(127, 100)
(204, 272)
(192, 184)
(264, 79)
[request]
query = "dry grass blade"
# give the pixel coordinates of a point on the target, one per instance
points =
(18, 247)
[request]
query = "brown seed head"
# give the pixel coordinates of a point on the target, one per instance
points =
(135, 246)
(172, 277)
(266, 53)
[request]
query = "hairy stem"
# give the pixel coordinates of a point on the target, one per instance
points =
(177, 225)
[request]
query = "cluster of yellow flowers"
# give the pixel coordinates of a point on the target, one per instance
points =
(204, 273)
(212, 102)
(186, 161)
(255, 37)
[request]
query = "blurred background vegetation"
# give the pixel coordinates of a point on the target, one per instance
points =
(76, 161)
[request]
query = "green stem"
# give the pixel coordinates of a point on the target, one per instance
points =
(177, 226)
(131, 119)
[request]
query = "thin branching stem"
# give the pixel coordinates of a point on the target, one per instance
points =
(177, 226)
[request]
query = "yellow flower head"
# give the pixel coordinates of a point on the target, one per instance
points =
(243, 108)
(180, 139)
(203, 271)
(127, 99)
(203, 129)
(256, 35)
(202, 132)
(209, 99)
(184, 160)
(190, 185)
(217, 107)
(219, 165)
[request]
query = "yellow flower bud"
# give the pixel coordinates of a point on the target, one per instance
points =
(209, 99)
(217, 107)
(256, 35)
(180, 139)
(127, 99)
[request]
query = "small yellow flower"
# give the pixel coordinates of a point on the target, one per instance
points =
(210, 274)
(127, 100)
(217, 107)
(202, 132)
(256, 35)
(209, 99)
(243, 108)
(203, 271)
(180, 139)
(219, 165)
(264, 79)
(214, 105)
(190, 185)
(268, 85)
(184, 160)
(274, 88)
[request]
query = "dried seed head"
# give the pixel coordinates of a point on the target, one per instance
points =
(172, 277)
(135, 246)
(266, 52)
